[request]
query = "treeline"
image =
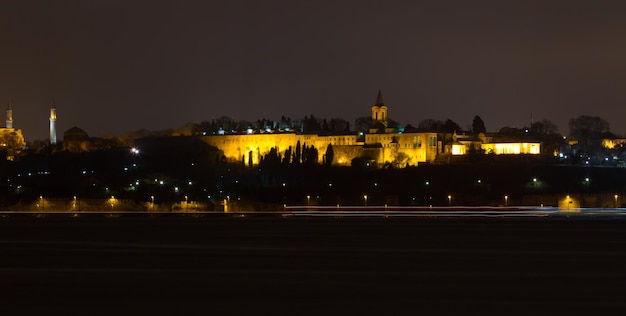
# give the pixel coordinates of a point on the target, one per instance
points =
(302, 154)
(309, 124)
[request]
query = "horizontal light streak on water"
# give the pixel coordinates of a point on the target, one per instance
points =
(443, 211)
(414, 214)
(419, 211)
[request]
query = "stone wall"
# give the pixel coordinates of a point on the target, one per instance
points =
(402, 149)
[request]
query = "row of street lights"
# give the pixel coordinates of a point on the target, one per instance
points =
(449, 198)
(113, 201)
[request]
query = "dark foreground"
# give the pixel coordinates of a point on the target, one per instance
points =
(139, 265)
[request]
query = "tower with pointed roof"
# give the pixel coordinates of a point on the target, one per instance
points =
(9, 122)
(379, 111)
(53, 122)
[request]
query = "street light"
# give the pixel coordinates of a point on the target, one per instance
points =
(506, 200)
(449, 200)
(365, 199)
(74, 203)
(616, 196)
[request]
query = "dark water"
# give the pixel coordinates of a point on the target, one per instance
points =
(175, 265)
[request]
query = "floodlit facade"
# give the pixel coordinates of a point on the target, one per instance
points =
(383, 145)
(512, 148)
(459, 149)
(402, 149)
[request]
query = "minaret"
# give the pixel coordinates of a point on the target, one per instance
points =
(53, 121)
(9, 115)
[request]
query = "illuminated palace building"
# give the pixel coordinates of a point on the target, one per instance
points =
(384, 144)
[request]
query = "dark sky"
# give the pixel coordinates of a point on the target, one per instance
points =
(118, 66)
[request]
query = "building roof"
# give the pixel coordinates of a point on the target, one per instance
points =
(75, 134)
(379, 99)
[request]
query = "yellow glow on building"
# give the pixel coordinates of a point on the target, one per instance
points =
(459, 149)
(407, 148)
(612, 143)
(512, 148)
(569, 204)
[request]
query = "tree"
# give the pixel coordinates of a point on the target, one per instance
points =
(431, 125)
(410, 128)
(478, 126)
(287, 158)
(271, 159)
(451, 126)
(339, 125)
(362, 124)
(543, 127)
(13, 143)
(311, 155)
(400, 160)
(225, 122)
(330, 155)
(588, 130)
(325, 126)
(310, 125)
(297, 154)
(586, 126)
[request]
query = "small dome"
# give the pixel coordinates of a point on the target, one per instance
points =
(75, 134)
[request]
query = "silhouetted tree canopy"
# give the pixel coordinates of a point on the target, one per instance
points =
(431, 125)
(543, 127)
(410, 128)
(298, 154)
(588, 130)
(451, 126)
(311, 125)
(478, 126)
(362, 124)
(586, 126)
(339, 124)
(330, 155)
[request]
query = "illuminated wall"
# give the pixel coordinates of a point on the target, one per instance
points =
(459, 149)
(512, 148)
(409, 148)
(385, 148)
(252, 147)
(406, 148)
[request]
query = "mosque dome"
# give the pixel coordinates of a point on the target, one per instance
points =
(75, 134)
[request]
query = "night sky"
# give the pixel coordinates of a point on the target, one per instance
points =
(118, 66)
